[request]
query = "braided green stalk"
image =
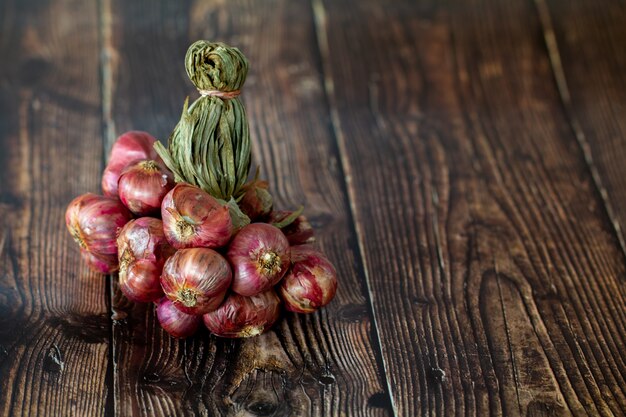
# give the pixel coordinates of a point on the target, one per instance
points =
(210, 145)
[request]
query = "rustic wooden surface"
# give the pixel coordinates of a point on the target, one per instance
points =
(54, 321)
(589, 61)
(308, 360)
(462, 162)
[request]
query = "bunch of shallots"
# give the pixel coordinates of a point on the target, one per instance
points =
(231, 265)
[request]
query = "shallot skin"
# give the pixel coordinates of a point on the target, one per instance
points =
(128, 148)
(143, 185)
(175, 322)
(299, 232)
(140, 281)
(143, 251)
(259, 254)
(99, 263)
(311, 282)
(241, 316)
(256, 201)
(196, 280)
(94, 221)
(193, 218)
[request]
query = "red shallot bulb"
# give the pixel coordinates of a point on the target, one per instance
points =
(193, 218)
(241, 316)
(298, 231)
(237, 217)
(99, 263)
(196, 280)
(174, 321)
(143, 185)
(93, 221)
(310, 283)
(259, 254)
(143, 250)
(256, 201)
(129, 147)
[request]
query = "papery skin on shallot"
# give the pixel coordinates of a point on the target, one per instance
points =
(99, 263)
(259, 254)
(193, 218)
(196, 280)
(130, 147)
(174, 321)
(94, 221)
(240, 316)
(311, 282)
(256, 201)
(143, 250)
(298, 232)
(143, 185)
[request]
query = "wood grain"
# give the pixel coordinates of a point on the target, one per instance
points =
(54, 329)
(495, 273)
(481, 245)
(586, 40)
(322, 364)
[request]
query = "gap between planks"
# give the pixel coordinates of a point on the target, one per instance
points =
(319, 16)
(107, 137)
(554, 56)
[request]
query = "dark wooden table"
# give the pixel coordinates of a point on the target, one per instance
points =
(464, 163)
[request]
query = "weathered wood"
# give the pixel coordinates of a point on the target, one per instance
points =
(322, 364)
(586, 40)
(495, 273)
(54, 327)
(478, 138)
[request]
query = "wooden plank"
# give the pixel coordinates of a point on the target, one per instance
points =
(496, 276)
(54, 326)
(323, 364)
(586, 42)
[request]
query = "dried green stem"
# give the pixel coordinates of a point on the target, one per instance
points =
(210, 145)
